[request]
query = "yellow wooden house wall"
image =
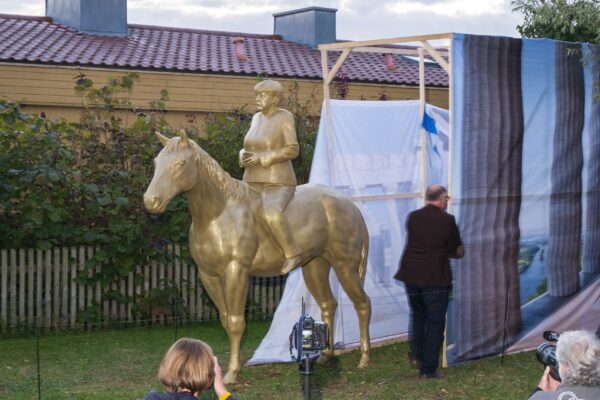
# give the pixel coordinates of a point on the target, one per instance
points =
(50, 89)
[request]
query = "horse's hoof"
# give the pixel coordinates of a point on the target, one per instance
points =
(230, 377)
(364, 361)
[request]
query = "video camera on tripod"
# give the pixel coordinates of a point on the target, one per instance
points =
(308, 337)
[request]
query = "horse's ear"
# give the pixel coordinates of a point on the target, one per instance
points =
(184, 138)
(163, 139)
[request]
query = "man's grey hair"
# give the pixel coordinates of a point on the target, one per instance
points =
(579, 352)
(435, 192)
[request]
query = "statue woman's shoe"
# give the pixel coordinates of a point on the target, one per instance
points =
(290, 264)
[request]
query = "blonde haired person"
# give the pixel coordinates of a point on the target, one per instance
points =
(188, 369)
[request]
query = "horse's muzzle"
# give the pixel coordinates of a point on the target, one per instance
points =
(152, 203)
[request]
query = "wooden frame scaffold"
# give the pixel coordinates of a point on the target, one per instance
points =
(374, 46)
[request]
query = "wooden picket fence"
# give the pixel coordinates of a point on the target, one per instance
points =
(38, 288)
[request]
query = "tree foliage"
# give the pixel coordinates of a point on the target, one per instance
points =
(568, 20)
(65, 184)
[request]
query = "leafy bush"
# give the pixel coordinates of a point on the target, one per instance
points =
(82, 184)
(64, 184)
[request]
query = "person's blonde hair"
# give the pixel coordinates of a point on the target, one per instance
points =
(188, 364)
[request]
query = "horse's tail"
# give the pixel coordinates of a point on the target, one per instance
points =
(364, 251)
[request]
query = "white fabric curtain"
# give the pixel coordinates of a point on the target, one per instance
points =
(372, 154)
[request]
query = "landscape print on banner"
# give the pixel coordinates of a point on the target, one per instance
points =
(526, 136)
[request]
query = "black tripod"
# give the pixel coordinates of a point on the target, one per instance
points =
(306, 369)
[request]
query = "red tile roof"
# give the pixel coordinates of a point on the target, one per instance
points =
(39, 40)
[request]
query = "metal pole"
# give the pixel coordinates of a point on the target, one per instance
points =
(37, 357)
(307, 373)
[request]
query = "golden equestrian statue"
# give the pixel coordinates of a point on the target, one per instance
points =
(231, 239)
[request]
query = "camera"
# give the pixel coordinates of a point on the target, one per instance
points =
(308, 337)
(546, 354)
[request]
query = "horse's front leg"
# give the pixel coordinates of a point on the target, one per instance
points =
(235, 282)
(214, 287)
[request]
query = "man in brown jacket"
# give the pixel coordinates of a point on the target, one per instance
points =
(432, 239)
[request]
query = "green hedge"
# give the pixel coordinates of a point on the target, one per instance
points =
(82, 184)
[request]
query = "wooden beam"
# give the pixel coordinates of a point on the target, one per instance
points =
(376, 42)
(436, 56)
(325, 72)
(327, 104)
(422, 101)
(337, 66)
(382, 50)
(378, 197)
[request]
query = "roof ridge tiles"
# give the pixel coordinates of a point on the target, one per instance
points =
(40, 18)
(207, 32)
(39, 40)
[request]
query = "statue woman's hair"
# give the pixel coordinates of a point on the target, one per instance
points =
(269, 86)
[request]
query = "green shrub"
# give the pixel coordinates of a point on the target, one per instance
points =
(65, 184)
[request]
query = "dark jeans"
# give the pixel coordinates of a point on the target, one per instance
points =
(428, 306)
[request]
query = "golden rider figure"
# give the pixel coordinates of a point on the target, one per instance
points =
(269, 146)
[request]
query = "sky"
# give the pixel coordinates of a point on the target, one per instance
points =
(355, 19)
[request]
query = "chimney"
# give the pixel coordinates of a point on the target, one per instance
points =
(96, 17)
(311, 26)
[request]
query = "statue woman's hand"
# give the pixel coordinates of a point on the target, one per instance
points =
(250, 159)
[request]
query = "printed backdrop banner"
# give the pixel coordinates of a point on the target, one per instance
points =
(372, 156)
(526, 189)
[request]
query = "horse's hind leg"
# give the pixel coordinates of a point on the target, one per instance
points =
(316, 278)
(352, 285)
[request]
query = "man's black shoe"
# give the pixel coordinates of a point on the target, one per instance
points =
(414, 362)
(433, 375)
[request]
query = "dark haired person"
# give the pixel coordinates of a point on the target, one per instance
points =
(432, 239)
(188, 369)
(578, 355)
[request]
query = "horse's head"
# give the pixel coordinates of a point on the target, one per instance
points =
(175, 171)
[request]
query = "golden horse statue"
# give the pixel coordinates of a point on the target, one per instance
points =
(229, 241)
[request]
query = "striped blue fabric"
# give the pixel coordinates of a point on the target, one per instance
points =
(487, 309)
(591, 234)
(564, 242)
(526, 184)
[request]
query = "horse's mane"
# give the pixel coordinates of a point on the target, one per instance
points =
(231, 187)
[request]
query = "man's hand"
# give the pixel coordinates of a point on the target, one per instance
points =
(459, 252)
(548, 383)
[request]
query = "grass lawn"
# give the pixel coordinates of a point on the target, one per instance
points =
(122, 364)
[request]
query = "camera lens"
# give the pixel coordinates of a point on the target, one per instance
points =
(546, 354)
